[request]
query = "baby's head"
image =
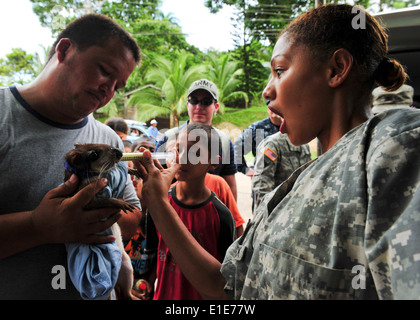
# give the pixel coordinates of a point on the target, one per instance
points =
(199, 150)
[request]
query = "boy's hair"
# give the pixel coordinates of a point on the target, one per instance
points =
(117, 124)
(137, 143)
(214, 144)
(95, 29)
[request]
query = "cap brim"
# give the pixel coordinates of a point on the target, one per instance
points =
(196, 89)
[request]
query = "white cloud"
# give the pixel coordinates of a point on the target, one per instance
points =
(203, 29)
(20, 28)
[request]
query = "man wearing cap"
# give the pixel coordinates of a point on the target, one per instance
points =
(383, 100)
(202, 105)
(153, 131)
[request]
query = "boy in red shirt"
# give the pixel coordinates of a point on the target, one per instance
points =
(205, 216)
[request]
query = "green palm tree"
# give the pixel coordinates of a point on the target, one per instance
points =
(223, 72)
(166, 93)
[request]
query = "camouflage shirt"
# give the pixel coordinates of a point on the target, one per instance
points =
(346, 227)
(275, 161)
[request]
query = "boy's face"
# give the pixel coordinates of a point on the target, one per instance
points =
(193, 156)
(147, 145)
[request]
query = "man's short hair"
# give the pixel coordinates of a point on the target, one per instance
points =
(95, 29)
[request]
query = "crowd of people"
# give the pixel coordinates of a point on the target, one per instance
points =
(314, 220)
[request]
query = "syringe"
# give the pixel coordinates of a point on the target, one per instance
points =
(155, 155)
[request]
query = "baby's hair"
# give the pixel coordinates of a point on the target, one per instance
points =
(330, 27)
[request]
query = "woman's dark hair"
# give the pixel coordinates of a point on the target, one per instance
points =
(96, 29)
(331, 27)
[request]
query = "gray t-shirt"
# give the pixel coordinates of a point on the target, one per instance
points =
(32, 150)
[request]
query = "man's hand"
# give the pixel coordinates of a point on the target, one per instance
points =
(60, 218)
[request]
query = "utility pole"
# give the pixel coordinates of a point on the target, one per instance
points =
(319, 3)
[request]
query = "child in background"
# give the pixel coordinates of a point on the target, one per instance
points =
(205, 216)
(222, 190)
(142, 252)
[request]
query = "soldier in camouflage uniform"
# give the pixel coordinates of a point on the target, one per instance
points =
(275, 161)
(343, 226)
(251, 137)
(358, 205)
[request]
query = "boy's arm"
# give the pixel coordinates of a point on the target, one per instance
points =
(196, 264)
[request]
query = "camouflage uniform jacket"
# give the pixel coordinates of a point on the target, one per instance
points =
(275, 161)
(346, 227)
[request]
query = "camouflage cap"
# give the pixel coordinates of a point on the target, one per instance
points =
(204, 84)
(383, 100)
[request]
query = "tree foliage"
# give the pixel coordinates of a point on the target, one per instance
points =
(18, 67)
(225, 72)
(264, 19)
(166, 89)
(169, 63)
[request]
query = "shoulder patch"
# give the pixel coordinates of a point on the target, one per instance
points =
(270, 154)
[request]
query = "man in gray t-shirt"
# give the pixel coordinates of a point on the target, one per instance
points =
(39, 124)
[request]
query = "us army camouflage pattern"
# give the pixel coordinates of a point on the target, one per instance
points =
(356, 205)
(268, 173)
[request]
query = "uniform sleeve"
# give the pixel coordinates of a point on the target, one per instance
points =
(393, 218)
(266, 162)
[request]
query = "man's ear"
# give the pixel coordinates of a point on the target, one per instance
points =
(62, 48)
(216, 107)
(341, 63)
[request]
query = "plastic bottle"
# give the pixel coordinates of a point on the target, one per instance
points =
(142, 287)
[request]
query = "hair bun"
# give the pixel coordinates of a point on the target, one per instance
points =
(390, 74)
